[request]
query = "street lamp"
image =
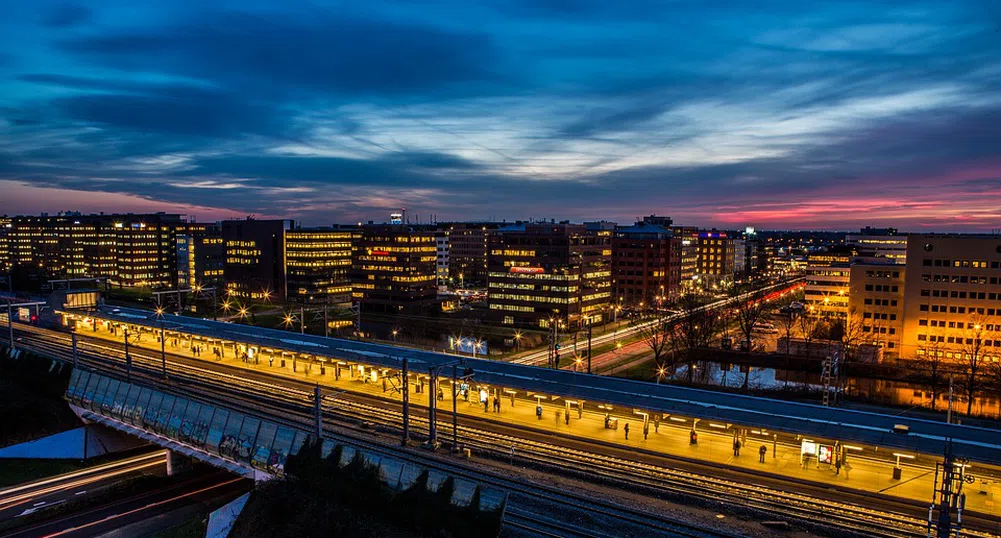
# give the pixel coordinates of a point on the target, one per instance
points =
(660, 374)
(517, 340)
(395, 332)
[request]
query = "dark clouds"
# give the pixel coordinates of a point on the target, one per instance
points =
(761, 113)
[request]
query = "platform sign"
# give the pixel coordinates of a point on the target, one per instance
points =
(808, 448)
(825, 454)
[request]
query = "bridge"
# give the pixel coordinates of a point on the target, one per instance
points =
(276, 372)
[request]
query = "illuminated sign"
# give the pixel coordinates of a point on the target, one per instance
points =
(528, 270)
(808, 448)
(380, 252)
(825, 454)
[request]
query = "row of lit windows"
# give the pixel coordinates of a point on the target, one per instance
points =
(512, 252)
(959, 324)
(531, 287)
(511, 307)
(532, 298)
(975, 264)
(537, 276)
(960, 279)
(954, 294)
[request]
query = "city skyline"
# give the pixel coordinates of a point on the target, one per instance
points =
(774, 115)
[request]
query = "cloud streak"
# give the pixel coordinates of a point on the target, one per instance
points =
(772, 114)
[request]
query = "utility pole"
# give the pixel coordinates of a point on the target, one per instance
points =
(318, 412)
(432, 408)
(948, 416)
(949, 496)
(302, 320)
(406, 403)
(75, 359)
(589, 347)
(326, 324)
(163, 351)
(10, 324)
(455, 413)
(128, 358)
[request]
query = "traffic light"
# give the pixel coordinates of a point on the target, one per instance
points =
(34, 319)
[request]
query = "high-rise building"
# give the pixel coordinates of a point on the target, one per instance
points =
(717, 254)
(201, 256)
(5, 226)
(467, 251)
(550, 271)
(646, 265)
(130, 250)
(255, 257)
(441, 257)
(952, 302)
(318, 264)
(394, 268)
(689, 236)
(828, 277)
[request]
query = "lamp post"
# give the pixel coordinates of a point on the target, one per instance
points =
(163, 343)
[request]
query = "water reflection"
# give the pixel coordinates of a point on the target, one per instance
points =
(868, 390)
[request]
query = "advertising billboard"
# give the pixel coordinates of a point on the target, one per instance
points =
(528, 270)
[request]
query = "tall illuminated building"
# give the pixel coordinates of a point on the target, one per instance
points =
(394, 268)
(550, 272)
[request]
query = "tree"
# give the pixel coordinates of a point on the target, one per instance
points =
(749, 312)
(657, 336)
(933, 371)
(788, 321)
(694, 330)
(971, 347)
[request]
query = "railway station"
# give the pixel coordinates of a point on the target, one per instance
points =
(810, 444)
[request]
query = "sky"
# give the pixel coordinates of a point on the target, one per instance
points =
(728, 113)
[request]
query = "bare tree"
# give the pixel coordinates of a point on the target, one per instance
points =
(694, 331)
(973, 356)
(748, 311)
(657, 335)
(808, 328)
(993, 376)
(788, 321)
(933, 371)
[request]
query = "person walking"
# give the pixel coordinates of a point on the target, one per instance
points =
(566, 416)
(626, 430)
(646, 431)
(761, 453)
(736, 446)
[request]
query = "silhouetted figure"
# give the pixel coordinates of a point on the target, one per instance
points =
(626, 430)
(761, 453)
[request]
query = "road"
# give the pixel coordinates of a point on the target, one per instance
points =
(634, 351)
(24, 499)
(541, 357)
(203, 488)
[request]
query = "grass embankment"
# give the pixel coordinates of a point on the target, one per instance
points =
(31, 399)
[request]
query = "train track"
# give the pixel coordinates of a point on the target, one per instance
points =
(296, 405)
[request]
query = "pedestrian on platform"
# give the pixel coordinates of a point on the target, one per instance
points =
(761, 453)
(626, 430)
(566, 416)
(497, 404)
(656, 423)
(736, 446)
(646, 430)
(557, 417)
(837, 465)
(485, 408)
(441, 395)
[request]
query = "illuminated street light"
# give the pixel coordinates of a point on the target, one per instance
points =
(395, 332)
(661, 372)
(226, 306)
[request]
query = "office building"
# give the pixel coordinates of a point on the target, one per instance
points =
(394, 268)
(441, 245)
(255, 257)
(467, 251)
(876, 305)
(952, 302)
(689, 236)
(550, 272)
(879, 244)
(646, 265)
(716, 257)
(201, 256)
(318, 264)
(130, 250)
(828, 278)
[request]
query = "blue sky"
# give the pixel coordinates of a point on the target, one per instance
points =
(775, 114)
